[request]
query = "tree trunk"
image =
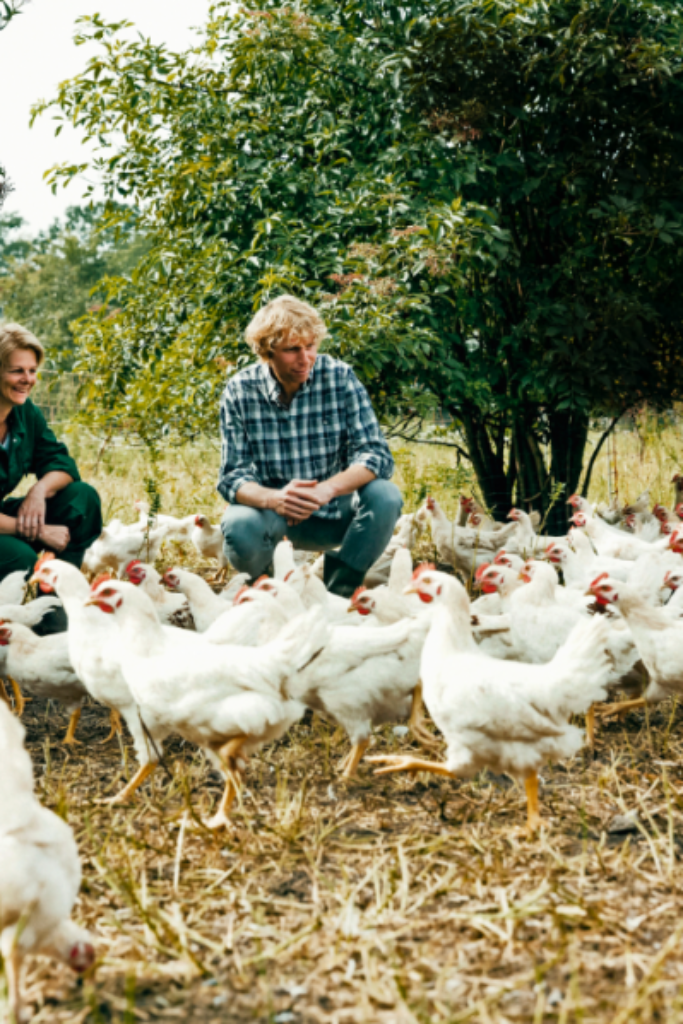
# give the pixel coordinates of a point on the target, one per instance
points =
(489, 466)
(527, 475)
(568, 437)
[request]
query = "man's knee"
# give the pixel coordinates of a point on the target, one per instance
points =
(248, 537)
(77, 499)
(383, 497)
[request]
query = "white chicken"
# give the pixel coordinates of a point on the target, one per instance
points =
(41, 874)
(13, 587)
(226, 699)
(208, 540)
(503, 715)
(613, 543)
(94, 643)
(463, 547)
(205, 605)
(113, 550)
(366, 677)
(42, 666)
(172, 609)
(658, 636)
(176, 529)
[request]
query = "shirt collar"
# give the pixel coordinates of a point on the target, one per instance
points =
(274, 388)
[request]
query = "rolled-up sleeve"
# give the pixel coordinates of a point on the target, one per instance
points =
(367, 445)
(237, 465)
(49, 454)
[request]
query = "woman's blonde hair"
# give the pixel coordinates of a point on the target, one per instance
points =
(13, 337)
(284, 316)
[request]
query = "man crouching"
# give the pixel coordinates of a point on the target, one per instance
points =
(303, 454)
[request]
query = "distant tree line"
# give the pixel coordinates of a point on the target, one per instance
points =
(51, 279)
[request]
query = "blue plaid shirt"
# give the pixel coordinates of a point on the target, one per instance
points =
(329, 426)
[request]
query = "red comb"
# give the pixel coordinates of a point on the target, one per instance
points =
(481, 570)
(422, 568)
(257, 583)
(501, 554)
(47, 556)
(602, 576)
(239, 593)
(104, 577)
(357, 592)
(133, 561)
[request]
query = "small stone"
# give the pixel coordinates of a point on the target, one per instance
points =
(555, 998)
(331, 795)
(400, 730)
(628, 822)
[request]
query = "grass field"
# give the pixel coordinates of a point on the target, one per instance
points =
(389, 900)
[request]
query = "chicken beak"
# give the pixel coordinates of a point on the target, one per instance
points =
(92, 600)
(411, 589)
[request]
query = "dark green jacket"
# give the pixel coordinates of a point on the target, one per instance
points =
(33, 449)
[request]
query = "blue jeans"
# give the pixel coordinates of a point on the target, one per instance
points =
(364, 530)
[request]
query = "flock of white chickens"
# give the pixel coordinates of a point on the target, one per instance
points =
(561, 623)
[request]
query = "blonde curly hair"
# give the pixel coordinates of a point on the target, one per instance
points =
(13, 337)
(273, 325)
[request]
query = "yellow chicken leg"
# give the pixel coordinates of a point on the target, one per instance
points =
(416, 721)
(228, 754)
(20, 701)
(141, 774)
(220, 819)
(114, 725)
(608, 710)
(590, 727)
(70, 738)
(406, 763)
(533, 817)
(354, 758)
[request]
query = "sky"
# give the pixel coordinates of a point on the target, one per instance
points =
(36, 53)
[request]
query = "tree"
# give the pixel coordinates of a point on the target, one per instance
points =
(49, 281)
(8, 9)
(486, 197)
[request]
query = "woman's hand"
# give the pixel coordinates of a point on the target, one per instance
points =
(31, 515)
(55, 537)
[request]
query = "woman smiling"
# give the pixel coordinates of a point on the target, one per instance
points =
(59, 512)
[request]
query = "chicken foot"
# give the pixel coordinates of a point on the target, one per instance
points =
(143, 772)
(407, 763)
(228, 754)
(354, 757)
(20, 1013)
(218, 577)
(19, 700)
(115, 726)
(608, 710)
(590, 727)
(70, 737)
(417, 720)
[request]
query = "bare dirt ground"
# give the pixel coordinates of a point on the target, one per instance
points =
(405, 899)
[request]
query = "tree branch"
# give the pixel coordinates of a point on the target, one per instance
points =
(591, 463)
(444, 444)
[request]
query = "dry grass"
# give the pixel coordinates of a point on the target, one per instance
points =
(378, 900)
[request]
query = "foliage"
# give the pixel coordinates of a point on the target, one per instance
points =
(10, 9)
(493, 188)
(51, 280)
(5, 185)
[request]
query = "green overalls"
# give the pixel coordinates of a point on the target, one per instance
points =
(33, 448)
